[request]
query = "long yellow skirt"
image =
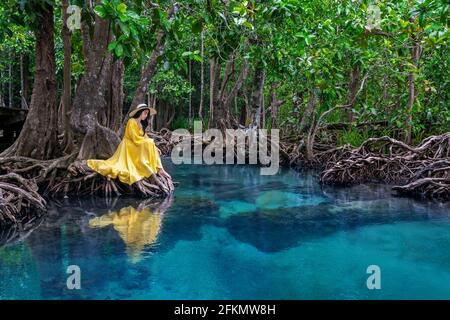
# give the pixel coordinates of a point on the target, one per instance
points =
(136, 157)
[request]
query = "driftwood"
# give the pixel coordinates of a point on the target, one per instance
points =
(416, 171)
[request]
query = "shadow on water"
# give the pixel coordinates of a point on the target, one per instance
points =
(345, 209)
(276, 230)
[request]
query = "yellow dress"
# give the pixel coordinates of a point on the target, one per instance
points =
(137, 229)
(136, 157)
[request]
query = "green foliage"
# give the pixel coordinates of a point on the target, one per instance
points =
(182, 123)
(303, 45)
(352, 137)
(169, 86)
(131, 29)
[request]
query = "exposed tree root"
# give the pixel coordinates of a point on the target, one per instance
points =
(81, 180)
(67, 176)
(418, 171)
(429, 187)
(17, 197)
(163, 140)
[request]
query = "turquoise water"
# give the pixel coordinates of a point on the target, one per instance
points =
(229, 233)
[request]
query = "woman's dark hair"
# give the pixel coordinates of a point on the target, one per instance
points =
(144, 123)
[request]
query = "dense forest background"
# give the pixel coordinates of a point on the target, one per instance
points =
(359, 89)
(363, 68)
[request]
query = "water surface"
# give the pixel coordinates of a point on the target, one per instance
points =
(229, 233)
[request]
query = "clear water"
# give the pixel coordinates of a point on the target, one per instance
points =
(229, 233)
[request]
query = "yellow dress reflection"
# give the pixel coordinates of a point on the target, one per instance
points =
(136, 228)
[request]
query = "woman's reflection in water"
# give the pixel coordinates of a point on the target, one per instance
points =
(137, 227)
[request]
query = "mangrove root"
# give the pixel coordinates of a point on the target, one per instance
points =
(417, 171)
(18, 196)
(81, 180)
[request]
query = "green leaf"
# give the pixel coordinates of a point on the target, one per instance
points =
(112, 46)
(198, 58)
(100, 11)
(119, 50)
(248, 25)
(133, 15)
(197, 26)
(122, 8)
(134, 31)
(124, 28)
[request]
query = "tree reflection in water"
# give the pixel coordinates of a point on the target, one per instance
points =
(19, 232)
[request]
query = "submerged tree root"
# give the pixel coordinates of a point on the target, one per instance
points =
(422, 171)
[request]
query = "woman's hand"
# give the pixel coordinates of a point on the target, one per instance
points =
(159, 151)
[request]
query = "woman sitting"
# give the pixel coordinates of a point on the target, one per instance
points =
(137, 156)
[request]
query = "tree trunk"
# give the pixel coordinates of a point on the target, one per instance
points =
(92, 139)
(415, 53)
(274, 105)
(149, 69)
(10, 85)
(2, 101)
(310, 108)
(211, 90)
(171, 110)
(24, 81)
(147, 74)
(263, 110)
(117, 95)
(245, 109)
(4, 89)
(66, 100)
(256, 102)
(110, 116)
(353, 86)
(222, 97)
(202, 80)
(38, 138)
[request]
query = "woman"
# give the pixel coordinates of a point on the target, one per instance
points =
(137, 156)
